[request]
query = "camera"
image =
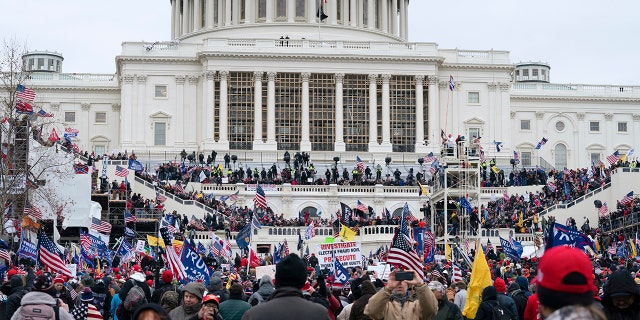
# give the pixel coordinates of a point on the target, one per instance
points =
(402, 275)
(369, 273)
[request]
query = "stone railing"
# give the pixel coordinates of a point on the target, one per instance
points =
(576, 88)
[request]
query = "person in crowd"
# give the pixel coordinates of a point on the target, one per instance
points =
(505, 301)
(565, 285)
(404, 299)
(62, 293)
(150, 311)
(210, 309)
(460, 299)
(367, 290)
(287, 301)
(264, 291)
(41, 297)
(167, 285)
(446, 310)
(216, 286)
(16, 294)
(114, 289)
(621, 296)
(489, 302)
(191, 301)
(235, 307)
(87, 310)
(519, 298)
(136, 278)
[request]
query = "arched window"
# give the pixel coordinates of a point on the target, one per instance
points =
(561, 156)
(313, 212)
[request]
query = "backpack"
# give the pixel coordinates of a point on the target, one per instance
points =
(39, 312)
(500, 313)
(135, 298)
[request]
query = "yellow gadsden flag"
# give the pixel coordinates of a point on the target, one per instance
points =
(447, 252)
(155, 242)
(347, 234)
(480, 279)
(422, 191)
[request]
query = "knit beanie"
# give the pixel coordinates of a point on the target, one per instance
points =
(16, 281)
(87, 295)
(167, 276)
(195, 288)
(513, 287)
(43, 282)
(501, 287)
(291, 272)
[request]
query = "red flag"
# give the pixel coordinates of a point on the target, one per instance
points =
(255, 261)
(53, 137)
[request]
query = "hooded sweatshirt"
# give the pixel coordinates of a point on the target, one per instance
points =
(37, 297)
(621, 282)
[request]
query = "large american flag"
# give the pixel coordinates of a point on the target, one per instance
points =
(24, 93)
(234, 196)
(129, 218)
(49, 255)
(261, 198)
(172, 258)
(100, 226)
(33, 212)
(5, 255)
(310, 232)
(429, 158)
(360, 206)
(603, 210)
(285, 249)
(628, 198)
(121, 171)
(359, 164)
(614, 157)
(401, 252)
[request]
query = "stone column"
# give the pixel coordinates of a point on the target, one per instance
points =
(311, 11)
(190, 108)
(332, 6)
(221, 12)
(227, 12)
(271, 109)
(394, 17)
(208, 18)
(419, 113)
(291, 11)
(271, 12)
(373, 111)
(384, 16)
(197, 15)
(224, 109)
(140, 109)
(353, 18)
(180, 110)
(257, 108)
(505, 98)
(371, 14)
(249, 10)
(386, 113)
(494, 108)
(403, 19)
(305, 142)
(185, 17)
(126, 113)
(235, 18)
(433, 109)
(174, 19)
(207, 111)
(339, 144)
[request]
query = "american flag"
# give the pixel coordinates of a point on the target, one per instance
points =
(359, 164)
(178, 188)
(44, 114)
(613, 248)
(33, 212)
(482, 158)
(360, 206)
(429, 158)
(261, 198)
(72, 292)
(466, 245)
(226, 248)
(452, 84)
(121, 171)
(516, 157)
(456, 273)
(49, 255)
(24, 93)
(172, 258)
(100, 226)
(551, 186)
(85, 242)
(437, 275)
(614, 157)
(489, 245)
(407, 214)
(170, 228)
(160, 198)
(6, 255)
(234, 196)
(603, 210)
(71, 130)
(310, 232)
(196, 223)
(129, 218)
(628, 198)
(429, 242)
(216, 247)
(285, 249)
(434, 167)
(401, 252)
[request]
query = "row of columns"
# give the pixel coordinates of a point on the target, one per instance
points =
(187, 15)
(259, 143)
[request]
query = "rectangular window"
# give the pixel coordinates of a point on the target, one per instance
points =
(534, 72)
(51, 65)
(474, 132)
(101, 117)
(594, 126)
(70, 116)
(622, 127)
(525, 72)
(160, 134)
(99, 150)
(525, 158)
(525, 124)
(40, 63)
(473, 97)
(161, 91)
(595, 158)
(300, 8)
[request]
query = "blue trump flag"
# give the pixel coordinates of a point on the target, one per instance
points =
(194, 266)
(339, 272)
(418, 236)
(517, 245)
(560, 235)
(27, 250)
(509, 249)
(244, 237)
(135, 165)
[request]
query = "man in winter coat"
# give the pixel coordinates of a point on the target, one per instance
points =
(460, 299)
(519, 297)
(140, 280)
(264, 291)
(287, 301)
(217, 287)
(367, 290)
(42, 295)
(405, 299)
(446, 310)
(166, 285)
(621, 297)
(505, 301)
(234, 308)
(191, 302)
(17, 292)
(489, 300)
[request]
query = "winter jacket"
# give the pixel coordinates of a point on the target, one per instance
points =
(13, 302)
(489, 300)
(36, 297)
(357, 310)
(520, 299)
(448, 311)
(508, 304)
(233, 309)
(157, 294)
(621, 282)
(216, 287)
(265, 291)
(531, 311)
(422, 304)
(140, 280)
(287, 303)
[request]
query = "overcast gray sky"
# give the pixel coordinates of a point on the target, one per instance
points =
(587, 41)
